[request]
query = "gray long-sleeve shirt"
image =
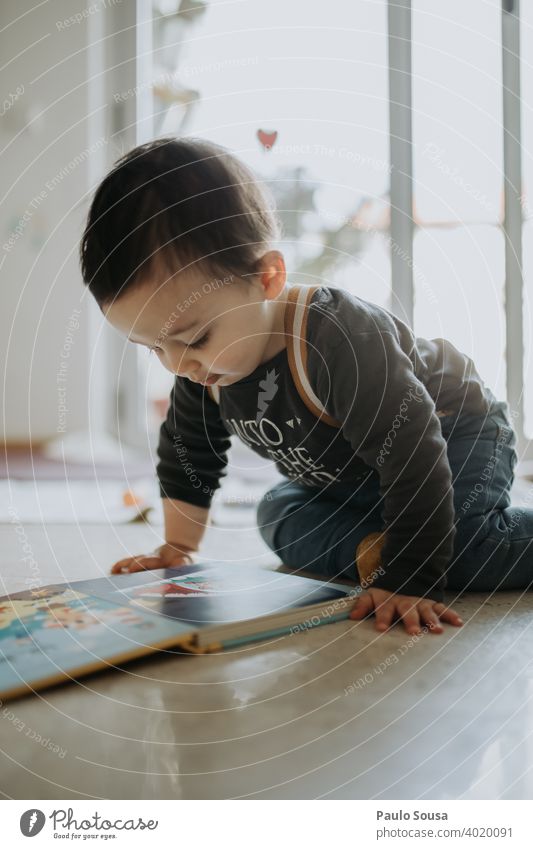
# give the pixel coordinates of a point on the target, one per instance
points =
(383, 385)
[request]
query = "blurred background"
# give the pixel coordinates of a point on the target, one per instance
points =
(395, 136)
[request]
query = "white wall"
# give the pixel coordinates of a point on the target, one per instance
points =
(54, 81)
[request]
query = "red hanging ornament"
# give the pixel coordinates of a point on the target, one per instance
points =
(267, 139)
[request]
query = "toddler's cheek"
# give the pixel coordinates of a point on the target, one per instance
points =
(240, 362)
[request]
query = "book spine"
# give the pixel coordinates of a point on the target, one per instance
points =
(190, 646)
(287, 629)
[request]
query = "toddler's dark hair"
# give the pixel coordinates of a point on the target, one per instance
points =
(179, 202)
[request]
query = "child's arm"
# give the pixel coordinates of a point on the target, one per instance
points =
(185, 526)
(360, 369)
(185, 523)
(193, 446)
(192, 449)
(389, 418)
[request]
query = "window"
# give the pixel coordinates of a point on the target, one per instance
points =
(459, 248)
(321, 82)
(526, 202)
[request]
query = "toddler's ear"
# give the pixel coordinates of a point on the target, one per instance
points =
(272, 273)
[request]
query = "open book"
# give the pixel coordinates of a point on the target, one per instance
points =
(63, 631)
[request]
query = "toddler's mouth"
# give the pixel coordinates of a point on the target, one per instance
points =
(212, 378)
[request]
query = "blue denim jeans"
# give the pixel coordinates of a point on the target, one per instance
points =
(319, 530)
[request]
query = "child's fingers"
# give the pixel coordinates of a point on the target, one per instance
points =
(136, 564)
(446, 614)
(141, 564)
(429, 617)
(413, 612)
(385, 613)
(176, 562)
(117, 567)
(362, 607)
(410, 616)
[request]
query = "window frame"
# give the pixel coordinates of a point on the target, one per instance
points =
(402, 226)
(401, 197)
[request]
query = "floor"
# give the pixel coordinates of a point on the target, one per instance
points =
(335, 712)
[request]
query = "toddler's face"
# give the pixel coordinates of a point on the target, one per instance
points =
(210, 331)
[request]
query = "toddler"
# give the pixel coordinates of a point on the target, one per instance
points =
(397, 460)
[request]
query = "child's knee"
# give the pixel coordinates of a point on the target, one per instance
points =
(268, 514)
(277, 505)
(264, 521)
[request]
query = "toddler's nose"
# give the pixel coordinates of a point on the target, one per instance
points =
(184, 366)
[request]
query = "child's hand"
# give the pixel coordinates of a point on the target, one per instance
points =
(413, 611)
(166, 555)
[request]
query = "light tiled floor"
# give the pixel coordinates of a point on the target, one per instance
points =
(334, 712)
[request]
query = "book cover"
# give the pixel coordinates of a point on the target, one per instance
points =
(64, 631)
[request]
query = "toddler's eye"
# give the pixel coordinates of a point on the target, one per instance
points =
(152, 349)
(200, 342)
